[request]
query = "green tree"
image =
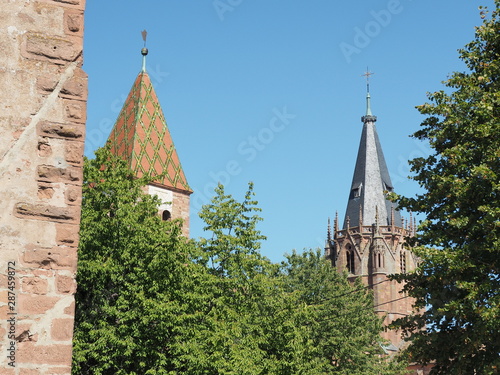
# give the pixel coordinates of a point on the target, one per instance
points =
(149, 301)
(137, 289)
(458, 279)
(300, 318)
(337, 327)
(232, 249)
(243, 291)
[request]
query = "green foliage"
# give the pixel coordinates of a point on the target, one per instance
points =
(149, 301)
(241, 289)
(337, 327)
(459, 242)
(232, 249)
(134, 277)
(300, 318)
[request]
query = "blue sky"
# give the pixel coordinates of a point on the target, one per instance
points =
(272, 92)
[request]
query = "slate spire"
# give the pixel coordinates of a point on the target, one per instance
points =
(371, 245)
(371, 181)
(141, 136)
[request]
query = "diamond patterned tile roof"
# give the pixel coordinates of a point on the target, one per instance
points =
(141, 137)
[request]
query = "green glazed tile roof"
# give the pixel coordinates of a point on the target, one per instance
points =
(140, 135)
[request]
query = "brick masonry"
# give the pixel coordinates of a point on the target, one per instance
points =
(43, 92)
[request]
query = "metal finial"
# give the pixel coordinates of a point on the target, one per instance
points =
(369, 116)
(368, 105)
(144, 50)
(367, 75)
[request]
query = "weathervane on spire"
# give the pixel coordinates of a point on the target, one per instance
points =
(144, 50)
(367, 75)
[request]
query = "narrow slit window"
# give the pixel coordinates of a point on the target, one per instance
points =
(350, 261)
(402, 261)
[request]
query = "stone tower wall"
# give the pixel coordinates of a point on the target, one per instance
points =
(180, 206)
(173, 201)
(389, 301)
(43, 93)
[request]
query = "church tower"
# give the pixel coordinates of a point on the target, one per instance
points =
(370, 244)
(141, 137)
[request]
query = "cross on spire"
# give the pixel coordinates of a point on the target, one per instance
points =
(367, 75)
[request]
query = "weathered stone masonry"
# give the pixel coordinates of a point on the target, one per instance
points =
(43, 93)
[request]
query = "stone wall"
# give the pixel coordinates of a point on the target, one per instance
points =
(43, 93)
(180, 210)
(389, 301)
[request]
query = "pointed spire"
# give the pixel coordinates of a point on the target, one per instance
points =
(371, 180)
(329, 231)
(336, 225)
(141, 136)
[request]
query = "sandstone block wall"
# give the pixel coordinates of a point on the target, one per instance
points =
(43, 93)
(180, 209)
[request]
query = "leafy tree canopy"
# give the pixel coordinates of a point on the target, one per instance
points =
(458, 279)
(336, 320)
(136, 284)
(150, 301)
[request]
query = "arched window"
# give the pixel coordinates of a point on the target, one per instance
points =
(166, 215)
(350, 259)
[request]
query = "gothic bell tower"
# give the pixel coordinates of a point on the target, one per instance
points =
(370, 243)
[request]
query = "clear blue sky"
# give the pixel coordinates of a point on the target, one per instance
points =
(271, 92)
